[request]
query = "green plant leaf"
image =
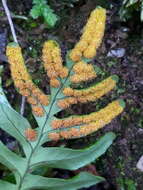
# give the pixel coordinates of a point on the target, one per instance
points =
(39, 2)
(7, 186)
(131, 2)
(41, 8)
(36, 156)
(142, 11)
(124, 2)
(35, 11)
(3, 98)
(72, 159)
(14, 124)
(49, 16)
(11, 160)
(84, 179)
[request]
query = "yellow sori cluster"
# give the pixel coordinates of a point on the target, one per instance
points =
(90, 94)
(53, 62)
(23, 81)
(114, 109)
(31, 134)
(77, 120)
(65, 134)
(83, 72)
(88, 123)
(92, 36)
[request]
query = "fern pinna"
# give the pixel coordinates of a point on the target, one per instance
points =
(64, 93)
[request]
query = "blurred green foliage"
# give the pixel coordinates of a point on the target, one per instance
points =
(126, 184)
(42, 9)
(129, 7)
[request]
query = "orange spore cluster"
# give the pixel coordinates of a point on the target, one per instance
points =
(92, 36)
(22, 79)
(87, 123)
(65, 134)
(65, 103)
(85, 95)
(82, 72)
(53, 63)
(68, 122)
(38, 111)
(106, 112)
(31, 134)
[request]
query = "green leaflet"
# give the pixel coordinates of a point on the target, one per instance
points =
(129, 7)
(142, 11)
(131, 2)
(71, 159)
(14, 124)
(12, 160)
(49, 16)
(7, 186)
(84, 179)
(35, 11)
(3, 98)
(41, 8)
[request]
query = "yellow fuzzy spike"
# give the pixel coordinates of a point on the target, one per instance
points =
(53, 63)
(105, 112)
(102, 88)
(106, 117)
(82, 67)
(30, 134)
(38, 111)
(54, 83)
(83, 72)
(65, 103)
(78, 78)
(54, 136)
(32, 100)
(88, 123)
(75, 55)
(21, 77)
(92, 36)
(90, 94)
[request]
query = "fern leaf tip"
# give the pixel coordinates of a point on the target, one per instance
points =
(122, 103)
(115, 77)
(13, 44)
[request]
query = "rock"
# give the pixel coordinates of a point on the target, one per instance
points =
(3, 40)
(120, 52)
(140, 164)
(123, 33)
(3, 58)
(11, 145)
(140, 131)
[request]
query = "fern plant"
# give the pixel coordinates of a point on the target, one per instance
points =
(42, 9)
(63, 79)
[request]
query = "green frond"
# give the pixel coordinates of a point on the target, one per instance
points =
(46, 107)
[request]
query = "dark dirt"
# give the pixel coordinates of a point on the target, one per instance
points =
(118, 165)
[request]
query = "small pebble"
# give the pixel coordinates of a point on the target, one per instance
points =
(120, 52)
(140, 164)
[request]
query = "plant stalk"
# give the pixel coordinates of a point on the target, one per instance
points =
(10, 20)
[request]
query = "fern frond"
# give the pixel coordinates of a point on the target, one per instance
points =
(23, 81)
(46, 107)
